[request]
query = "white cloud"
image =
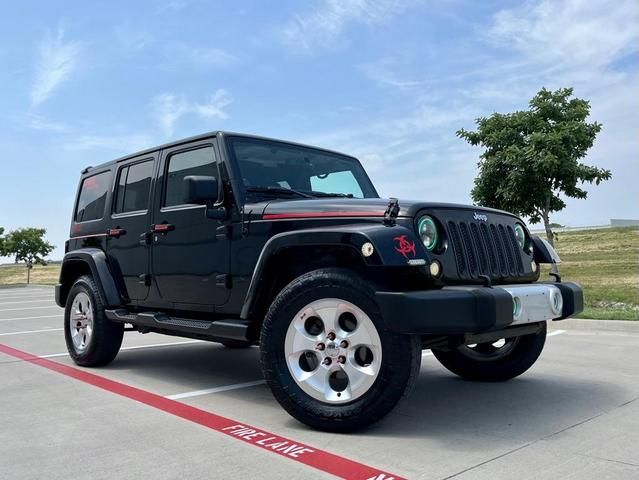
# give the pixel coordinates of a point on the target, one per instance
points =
(384, 72)
(132, 38)
(38, 122)
(170, 108)
(583, 32)
(119, 143)
(57, 59)
(322, 26)
(555, 44)
(201, 56)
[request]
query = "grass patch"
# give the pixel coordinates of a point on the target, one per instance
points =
(17, 274)
(606, 264)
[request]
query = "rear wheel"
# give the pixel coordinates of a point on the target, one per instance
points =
(92, 339)
(496, 361)
(328, 356)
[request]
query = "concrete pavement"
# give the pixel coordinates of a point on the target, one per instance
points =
(574, 414)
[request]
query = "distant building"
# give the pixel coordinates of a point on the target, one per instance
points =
(622, 222)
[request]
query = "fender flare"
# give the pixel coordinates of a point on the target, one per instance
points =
(385, 241)
(97, 262)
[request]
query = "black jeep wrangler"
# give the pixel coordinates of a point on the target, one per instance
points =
(248, 241)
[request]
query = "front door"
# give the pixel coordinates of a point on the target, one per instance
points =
(130, 218)
(190, 252)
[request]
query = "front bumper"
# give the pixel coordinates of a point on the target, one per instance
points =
(473, 309)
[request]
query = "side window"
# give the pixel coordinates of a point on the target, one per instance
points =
(134, 185)
(193, 162)
(337, 182)
(92, 197)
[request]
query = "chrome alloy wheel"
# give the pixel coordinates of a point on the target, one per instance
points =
(333, 350)
(81, 322)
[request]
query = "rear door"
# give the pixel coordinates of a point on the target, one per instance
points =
(130, 219)
(190, 252)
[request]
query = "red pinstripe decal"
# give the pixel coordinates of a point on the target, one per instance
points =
(322, 460)
(280, 216)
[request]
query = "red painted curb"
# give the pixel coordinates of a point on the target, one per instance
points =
(322, 460)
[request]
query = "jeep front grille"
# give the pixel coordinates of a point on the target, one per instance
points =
(485, 249)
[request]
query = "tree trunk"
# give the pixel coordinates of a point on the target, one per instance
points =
(28, 274)
(549, 234)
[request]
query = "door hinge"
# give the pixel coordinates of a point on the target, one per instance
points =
(146, 238)
(145, 279)
(223, 281)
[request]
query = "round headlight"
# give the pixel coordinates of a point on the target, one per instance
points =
(428, 232)
(520, 235)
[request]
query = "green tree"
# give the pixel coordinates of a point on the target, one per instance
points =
(3, 253)
(532, 156)
(28, 245)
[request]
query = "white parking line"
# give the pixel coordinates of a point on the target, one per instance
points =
(25, 301)
(37, 293)
(226, 388)
(555, 332)
(18, 297)
(31, 331)
(30, 318)
(27, 308)
(134, 347)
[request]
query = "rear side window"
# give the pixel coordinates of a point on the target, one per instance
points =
(134, 186)
(193, 162)
(92, 198)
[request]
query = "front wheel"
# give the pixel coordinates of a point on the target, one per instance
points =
(328, 356)
(496, 361)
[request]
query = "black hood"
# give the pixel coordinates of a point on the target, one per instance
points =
(355, 207)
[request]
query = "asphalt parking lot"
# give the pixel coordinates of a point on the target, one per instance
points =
(575, 414)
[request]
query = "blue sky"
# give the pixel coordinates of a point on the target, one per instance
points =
(389, 81)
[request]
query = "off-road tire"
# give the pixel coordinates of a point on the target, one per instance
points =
(401, 354)
(106, 338)
(519, 359)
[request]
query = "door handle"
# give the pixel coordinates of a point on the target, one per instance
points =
(116, 232)
(162, 228)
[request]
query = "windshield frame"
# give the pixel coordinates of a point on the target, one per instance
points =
(364, 180)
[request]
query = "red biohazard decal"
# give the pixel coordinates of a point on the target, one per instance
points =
(405, 246)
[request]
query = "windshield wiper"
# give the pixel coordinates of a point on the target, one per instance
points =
(278, 191)
(329, 194)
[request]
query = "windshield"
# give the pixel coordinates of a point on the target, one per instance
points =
(284, 170)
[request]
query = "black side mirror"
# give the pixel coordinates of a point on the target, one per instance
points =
(200, 189)
(203, 190)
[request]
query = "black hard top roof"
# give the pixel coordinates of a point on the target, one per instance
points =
(202, 136)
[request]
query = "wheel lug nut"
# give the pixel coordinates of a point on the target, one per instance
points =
(327, 361)
(320, 347)
(344, 344)
(331, 336)
(341, 359)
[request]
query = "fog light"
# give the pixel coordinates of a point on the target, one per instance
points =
(516, 307)
(534, 266)
(435, 268)
(556, 302)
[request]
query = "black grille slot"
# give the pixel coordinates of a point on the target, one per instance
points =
(501, 255)
(469, 249)
(485, 249)
(489, 247)
(507, 247)
(458, 249)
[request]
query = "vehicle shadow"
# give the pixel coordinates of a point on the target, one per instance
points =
(442, 406)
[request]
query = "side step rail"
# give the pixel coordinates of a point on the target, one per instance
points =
(219, 329)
